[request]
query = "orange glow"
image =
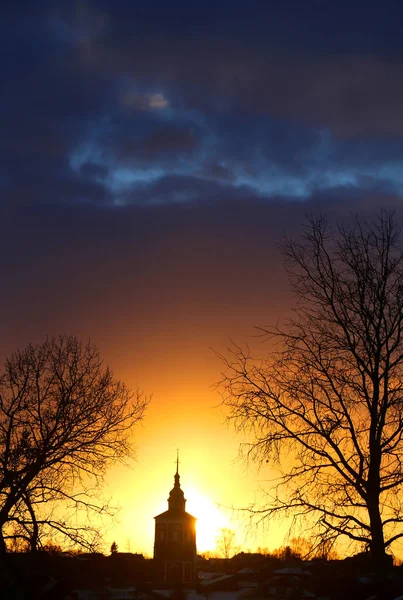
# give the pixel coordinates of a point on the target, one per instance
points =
(214, 483)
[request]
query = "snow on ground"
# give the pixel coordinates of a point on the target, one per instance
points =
(192, 595)
(291, 571)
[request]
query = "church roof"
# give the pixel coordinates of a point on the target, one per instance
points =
(176, 514)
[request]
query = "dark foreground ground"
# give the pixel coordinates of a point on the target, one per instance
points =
(126, 576)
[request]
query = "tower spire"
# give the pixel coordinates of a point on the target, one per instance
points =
(177, 477)
(176, 498)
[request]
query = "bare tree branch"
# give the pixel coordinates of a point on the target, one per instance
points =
(330, 395)
(64, 419)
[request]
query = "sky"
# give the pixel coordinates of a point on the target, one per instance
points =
(152, 157)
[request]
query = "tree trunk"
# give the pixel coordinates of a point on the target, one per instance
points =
(3, 547)
(377, 543)
(35, 529)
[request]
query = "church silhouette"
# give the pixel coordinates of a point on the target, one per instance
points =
(175, 539)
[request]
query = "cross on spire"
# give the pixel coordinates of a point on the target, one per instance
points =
(177, 485)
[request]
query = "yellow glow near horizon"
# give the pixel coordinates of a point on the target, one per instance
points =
(209, 519)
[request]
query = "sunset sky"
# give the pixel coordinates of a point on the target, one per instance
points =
(152, 156)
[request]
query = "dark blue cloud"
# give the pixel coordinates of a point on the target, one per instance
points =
(113, 103)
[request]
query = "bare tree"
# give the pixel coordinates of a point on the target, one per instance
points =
(64, 419)
(225, 543)
(327, 404)
(305, 548)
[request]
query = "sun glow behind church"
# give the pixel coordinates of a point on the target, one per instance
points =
(210, 519)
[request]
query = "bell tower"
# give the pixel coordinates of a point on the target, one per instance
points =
(175, 539)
